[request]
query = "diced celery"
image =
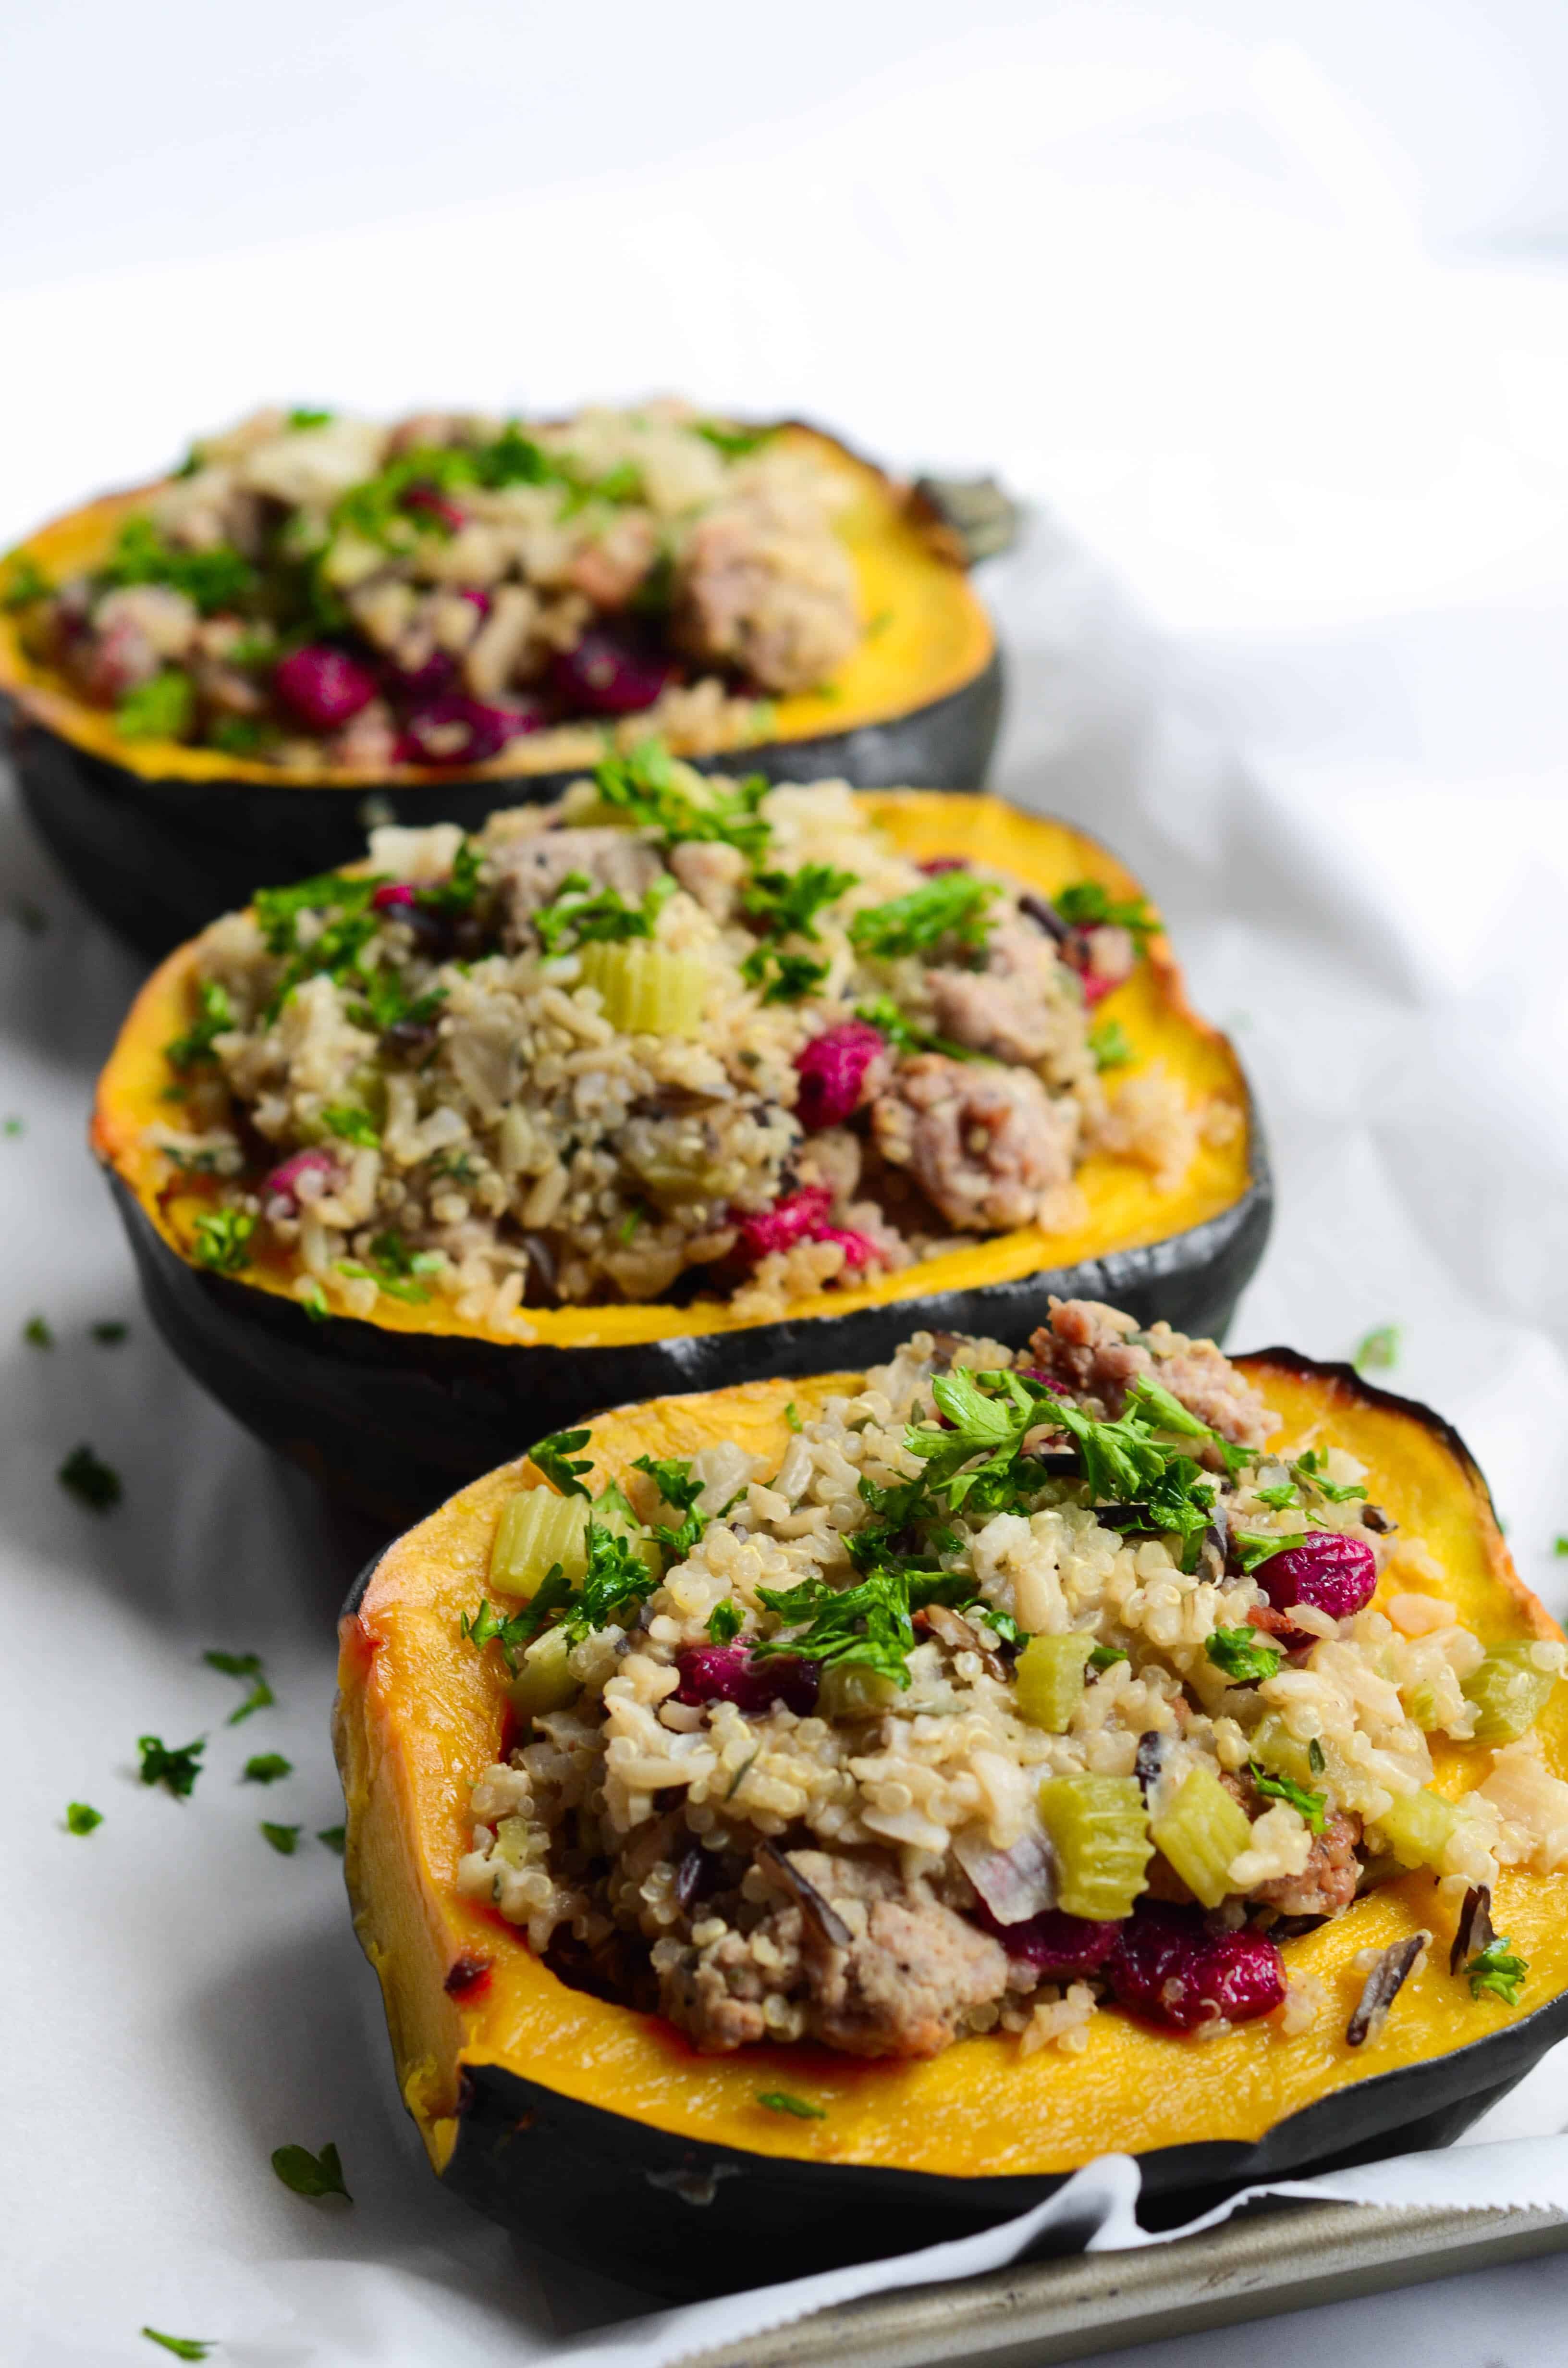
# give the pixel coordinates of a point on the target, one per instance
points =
(848, 1691)
(1421, 1707)
(537, 1530)
(1275, 1748)
(647, 990)
(1418, 1828)
(1202, 1833)
(1507, 1692)
(543, 1682)
(1050, 1679)
(1099, 1836)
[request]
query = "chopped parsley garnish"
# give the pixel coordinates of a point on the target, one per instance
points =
(302, 418)
(109, 1334)
(1378, 1350)
(25, 583)
(724, 1621)
(334, 1836)
(36, 1333)
(393, 1268)
(312, 1298)
(1498, 1969)
(215, 1016)
(866, 1627)
(672, 1477)
(1110, 1045)
(616, 1582)
(1310, 1471)
(1314, 1807)
(1085, 904)
(953, 904)
(212, 579)
(266, 1768)
(244, 1664)
(459, 892)
(779, 2100)
(787, 902)
(352, 1125)
(783, 978)
(1279, 1500)
(91, 1480)
(184, 2347)
(1252, 1546)
(792, 1417)
(1106, 1656)
(14, 1127)
(285, 1840)
(176, 1768)
(1315, 1759)
(238, 735)
(1243, 1656)
(735, 443)
(310, 2174)
(883, 1014)
(1560, 1546)
(553, 1456)
(81, 1816)
(163, 708)
(578, 914)
(646, 786)
(629, 1226)
(222, 1239)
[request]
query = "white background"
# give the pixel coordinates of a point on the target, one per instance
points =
(1263, 304)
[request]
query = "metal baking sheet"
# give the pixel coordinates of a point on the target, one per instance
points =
(1272, 2258)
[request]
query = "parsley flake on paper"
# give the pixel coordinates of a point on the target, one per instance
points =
(313, 2175)
(176, 1768)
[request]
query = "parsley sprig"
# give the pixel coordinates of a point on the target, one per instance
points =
(1497, 1969)
(1087, 905)
(577, 914)
(953, 904)
(214, 1017)
(1243, 1656)
(647, 786)
(1314, 1807)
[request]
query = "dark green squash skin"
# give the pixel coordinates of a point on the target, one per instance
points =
(158, 860)
(690, 2218)
(395, 1421)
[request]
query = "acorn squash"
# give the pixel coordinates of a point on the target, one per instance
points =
(598, 2131)
(398, 1410)
(161, 837)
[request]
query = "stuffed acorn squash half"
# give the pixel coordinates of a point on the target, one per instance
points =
(810, 1819)
(678, 1080)
(213, 681)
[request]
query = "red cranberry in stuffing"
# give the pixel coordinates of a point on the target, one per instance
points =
(431, 503)
(859, 1248)
(609, 674)
(934, 864)
(800, 1217)
(458, 730)
(728, 1673)
(423, 683)
(831, 1069)
(1333, 1573)
(1168, 1967)
(391, 894)
(283, 1182)
(322, 686)
(1054, 1945)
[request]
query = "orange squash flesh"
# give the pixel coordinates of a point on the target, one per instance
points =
(1125, 1210)
(420, 1714)
(928, 636)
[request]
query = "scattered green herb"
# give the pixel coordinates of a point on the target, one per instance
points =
(215, 1016)
(176, 1768)
(866, 1627)
(792, 1417)
(783, 978)
(673, 1478)
(310, 2174)
(1106, 1656)
(1110, 1045)
(554, 1457)
(222, 1239)
(1378, 1350)
(648, 786)
(1314, 1807)
(1310, 1470)
(36, 1333)
(244, 1664)
(163, 708)
(352, 1125)
(1560, 1546)
(81, 1816)
(578, 915)
(184, 2347)
(787, 902)
(1315, 1759)
(334, 1836)
(91, 1480)
(1244, 1660)
(952, 905)
(302, 419)
(14, 1126)
(312, 1298)
(735, 443)
(779, 2100)
(109, 1334)
(285, 1840)
(1253, 1546)
(25, 583)
(1498, 1969)
(1085, 904)
(266, 1768)
(724, 1621)
(883, 1014)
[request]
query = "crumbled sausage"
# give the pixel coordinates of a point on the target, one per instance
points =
(986, 1146)
(1096, 1351)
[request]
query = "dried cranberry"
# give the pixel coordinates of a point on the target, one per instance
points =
(1168, 1968)
(427, 681)
(859, 1248)
(282, 1184)
(1094, 985)
(1334, 1572)
(728, 1673)
(458, 730)
(322, 686)
(800, 1217)
(934, 864)
(1046, 1381)
(608, 673)
(1053, 1944)
(393, 892)
(831, 1069)
(430, 500)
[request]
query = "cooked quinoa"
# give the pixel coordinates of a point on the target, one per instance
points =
(1025, 1682)
(672, 1035)
(313, 590)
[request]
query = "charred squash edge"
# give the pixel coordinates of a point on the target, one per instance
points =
(565, 2116)
(142, 828)
(399, 1409)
